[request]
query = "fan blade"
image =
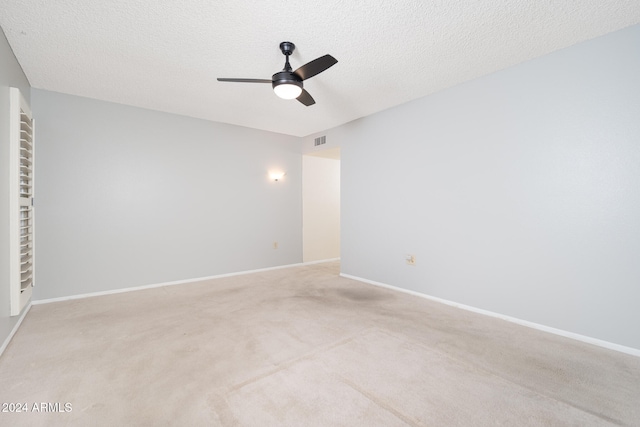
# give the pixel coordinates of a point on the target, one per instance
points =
(316, 66)
(305, 98)
(245, 80)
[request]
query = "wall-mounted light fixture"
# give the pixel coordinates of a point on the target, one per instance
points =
(276, 176)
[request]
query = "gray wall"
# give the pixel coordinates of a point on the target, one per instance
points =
(11, 75)
(129, 197)
(518, 193)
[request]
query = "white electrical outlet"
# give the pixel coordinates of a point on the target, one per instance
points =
(411, 259)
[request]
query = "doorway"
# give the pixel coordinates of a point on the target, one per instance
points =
(321, 205)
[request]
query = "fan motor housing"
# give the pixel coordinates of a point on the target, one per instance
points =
(286, 77)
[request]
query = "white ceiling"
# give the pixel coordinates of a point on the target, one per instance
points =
(166, 54)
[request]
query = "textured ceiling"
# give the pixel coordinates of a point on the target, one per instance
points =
(165, 55)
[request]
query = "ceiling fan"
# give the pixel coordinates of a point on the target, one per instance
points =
(287, 84)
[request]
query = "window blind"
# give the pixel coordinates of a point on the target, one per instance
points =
(21, 202)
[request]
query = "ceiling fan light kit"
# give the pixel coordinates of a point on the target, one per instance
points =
(288, 84)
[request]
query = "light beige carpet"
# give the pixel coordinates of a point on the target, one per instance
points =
(302, 347)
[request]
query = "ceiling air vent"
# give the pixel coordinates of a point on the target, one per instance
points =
(320, 140)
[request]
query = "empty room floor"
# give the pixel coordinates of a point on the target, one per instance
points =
(302, 346)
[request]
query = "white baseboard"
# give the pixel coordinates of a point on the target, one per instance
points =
(177, 282)
(15, 329)
(609, 345)
(320, 261)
